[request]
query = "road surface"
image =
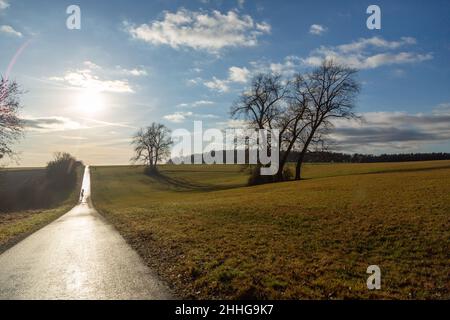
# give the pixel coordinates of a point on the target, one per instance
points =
(78, 256)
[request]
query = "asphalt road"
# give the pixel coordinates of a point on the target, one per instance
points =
(78, 256)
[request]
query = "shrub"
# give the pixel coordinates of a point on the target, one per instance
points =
(256, 177)
(61, 171)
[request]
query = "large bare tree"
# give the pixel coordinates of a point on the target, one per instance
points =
(151, 145)
(301, 109)
(262, 104)
(10, 124)
(331, 92)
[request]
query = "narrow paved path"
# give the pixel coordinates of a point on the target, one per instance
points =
(78, 256)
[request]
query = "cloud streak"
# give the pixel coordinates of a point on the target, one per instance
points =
(50, 124)
(364, 53)
(8, 30)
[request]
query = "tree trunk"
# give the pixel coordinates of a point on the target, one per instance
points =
(298, 168)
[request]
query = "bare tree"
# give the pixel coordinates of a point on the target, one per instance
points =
(262, 103)
(292, 123)
(301, 109)
(331, 92)
(151, 145)
(10, 124)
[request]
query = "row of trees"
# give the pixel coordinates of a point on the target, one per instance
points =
(301, 108)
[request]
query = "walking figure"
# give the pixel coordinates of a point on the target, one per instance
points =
(82, 194)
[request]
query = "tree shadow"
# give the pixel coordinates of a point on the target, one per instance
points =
(182, 185)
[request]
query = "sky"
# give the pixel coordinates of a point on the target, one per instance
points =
(174, 62)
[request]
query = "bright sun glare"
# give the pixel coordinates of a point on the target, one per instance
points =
(90, 102)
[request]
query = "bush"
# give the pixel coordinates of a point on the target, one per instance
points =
(256, 177)
(288, 174)
(61, 171)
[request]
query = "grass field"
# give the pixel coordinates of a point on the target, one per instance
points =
(26, 205)
(210, 236)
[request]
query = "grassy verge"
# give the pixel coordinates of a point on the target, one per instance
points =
(210, 238)
(15, 226)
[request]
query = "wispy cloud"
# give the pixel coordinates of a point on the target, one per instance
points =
(235, 75)
(136, 72)
(209, 31)
(8, 30)
(365, 53)
(4, 4)
(179, 117)
(50, 124)
(199, 103)
(317, 29)
(218, 85)
(86, 78)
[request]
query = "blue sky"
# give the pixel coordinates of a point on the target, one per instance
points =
(135, 62)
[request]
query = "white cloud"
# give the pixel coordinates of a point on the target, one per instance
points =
(136, 72)
(194, 81)
(87, 79)
(218, 85)
(361, 54)
(177, 117)
(212, 31)
(10, 31)
(199, 103)
(202, 103)
(4, 4)
(92, 65)
(442, 109)
(378, 42)
(237, 74)
(317, 29)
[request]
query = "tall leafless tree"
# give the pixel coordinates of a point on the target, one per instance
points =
(262, 104)
(301, 109)
(10, 124)
(331, 92)
(151, 145)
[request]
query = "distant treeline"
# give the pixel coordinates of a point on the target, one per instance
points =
(370, 158)
(357, 157)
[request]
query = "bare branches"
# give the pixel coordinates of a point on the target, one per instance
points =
(331, 90)
(10, 124)
(302, 109)
(151, 144)
(262, 104)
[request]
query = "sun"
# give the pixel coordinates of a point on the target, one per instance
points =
(90, 102)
